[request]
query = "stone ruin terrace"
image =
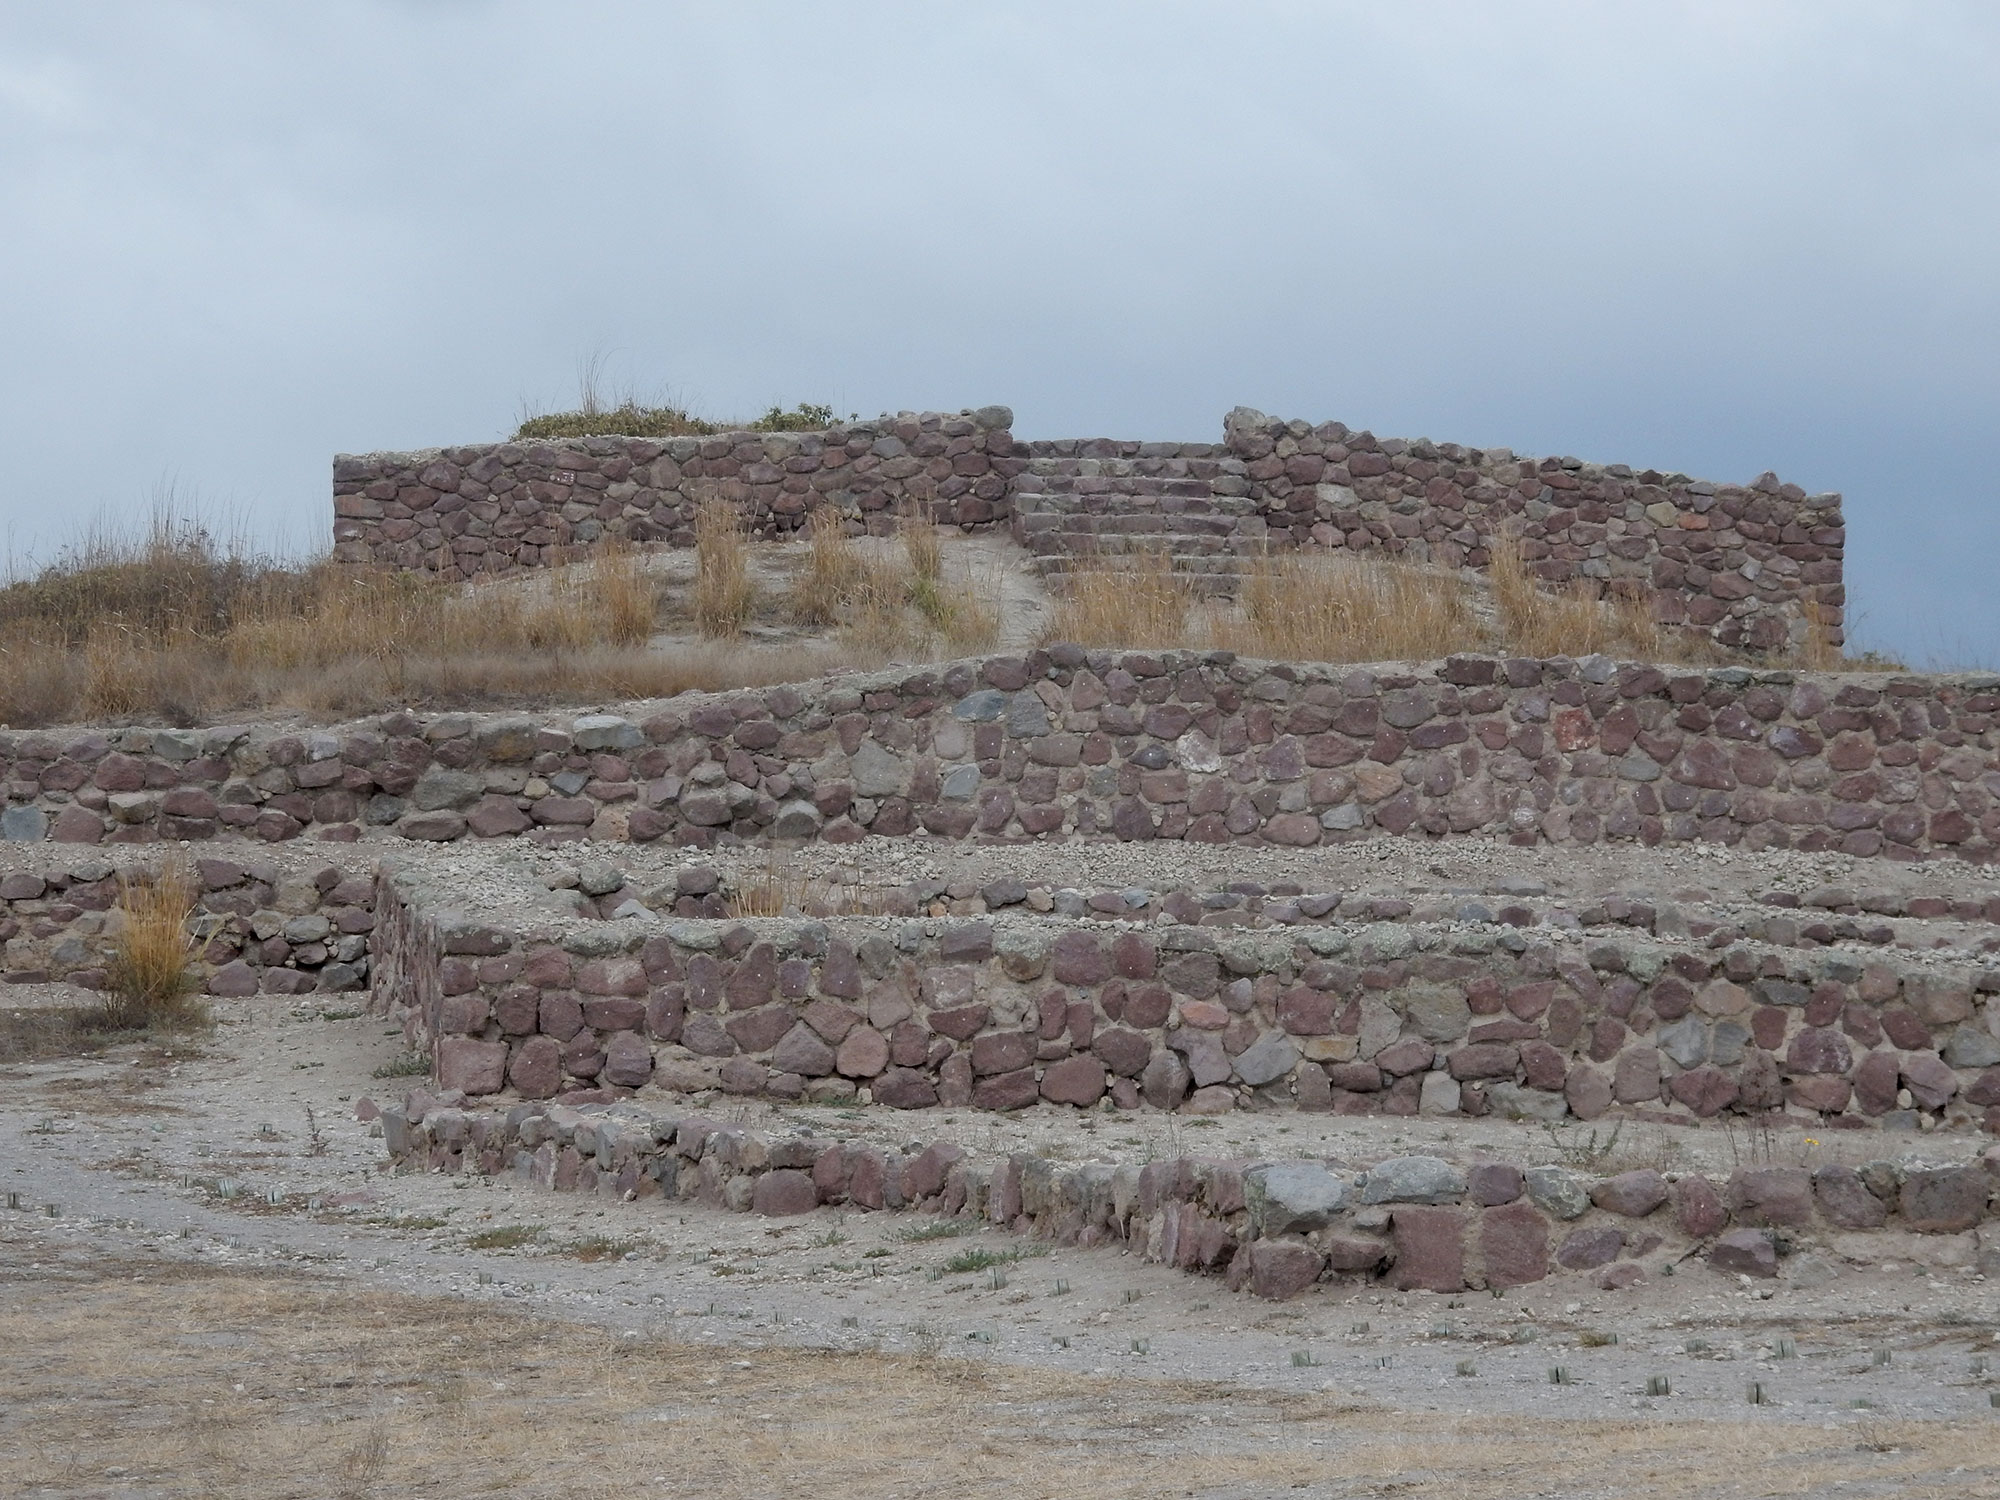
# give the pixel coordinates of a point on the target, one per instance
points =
(1515, 893)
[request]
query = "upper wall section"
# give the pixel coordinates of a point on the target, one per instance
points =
(1741, 561)
(1757, 567)
(498, 507)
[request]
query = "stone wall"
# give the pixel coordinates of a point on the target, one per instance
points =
(1379, 1018)
(1751, 565)
(1063, 742)
(1273, 1228)
(1742, 562)
(498, 507)
(260, 928)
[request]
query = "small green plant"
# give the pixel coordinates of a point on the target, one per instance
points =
(504, 1237)
(406, 1065)
(1466, 1368)
(1302, 1359)
(937, 1229)
(594, 1247)
(979, 1258)
(1590, 1338)
(1659, 1385)
(805, 417)
(828, 1240)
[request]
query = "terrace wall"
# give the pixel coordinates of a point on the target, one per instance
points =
(1383, 1018)
(1128, 746)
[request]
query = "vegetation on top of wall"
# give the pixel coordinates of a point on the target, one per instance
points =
(630, 419)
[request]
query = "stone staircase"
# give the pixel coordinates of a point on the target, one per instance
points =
(1190, 502)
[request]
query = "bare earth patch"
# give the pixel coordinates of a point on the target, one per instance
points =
(130, 1375)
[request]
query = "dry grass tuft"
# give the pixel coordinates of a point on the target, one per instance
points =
(151, 980)
(833, 572)
(1572, 620)
(1309, 607)
(723, 593)
(777, 892)
(1137, 601)
(911, 604)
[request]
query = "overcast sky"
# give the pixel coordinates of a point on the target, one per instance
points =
(1714, 237)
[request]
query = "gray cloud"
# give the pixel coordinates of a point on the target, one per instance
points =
(1713, 237)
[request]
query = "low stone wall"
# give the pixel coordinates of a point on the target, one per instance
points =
(498, 507)
(1742, 562)
(1384, 1018)
(1273, 1228)
(260, 929)
(1132, 746)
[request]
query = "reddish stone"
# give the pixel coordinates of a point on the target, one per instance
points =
(628, 1061)
(1745, 1252)
(864, 1053)
(784, 1193)
(1283, 1268)
(1543, 1066)
(1706, 1091)
(1770, 1195)
(1633, 1194)
(1587, 1249)
(1698, 1208)
(1844, 1200)
(472, 1067)
(1819, 1050)
(1078, 958)
(1876, 1081)
(901, 1088)
(1074, 1080)
(1411, 1055)
(233, 981)
(1430, 1249)
(1490, 1184)
(1817, 1091)
(962, 1023)
(1513, 1243)
(1616, 1278)
(1929, 1079)
(536, 1071)
(1483, 1060)
(1125, 1053)
(1006, 1090)
(1002, 1052)
(1587, 1092)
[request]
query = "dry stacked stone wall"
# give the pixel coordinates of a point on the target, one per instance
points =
(1746, 563)
(1382, 1018)
(1756, 566)
(498, 507)
(260, 929)
(1065, 743)
(1273, 1228)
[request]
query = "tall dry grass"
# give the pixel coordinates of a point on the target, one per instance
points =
(1571, 620)
(723, 593)
(910, 603)
(1314, 607)
(1136, 601)
(151, 979)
